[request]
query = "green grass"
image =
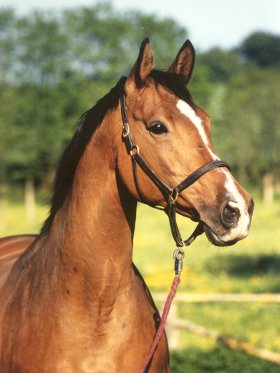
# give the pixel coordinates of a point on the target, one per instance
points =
(13, 218)
(217, 359)
(252, 265)
(254, 323)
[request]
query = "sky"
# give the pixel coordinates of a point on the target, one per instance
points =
(210, 23)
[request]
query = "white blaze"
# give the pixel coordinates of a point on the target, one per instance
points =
(235, 196)
(188, 111)
(238, 201)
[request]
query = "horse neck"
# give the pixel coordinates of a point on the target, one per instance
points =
(94, 229)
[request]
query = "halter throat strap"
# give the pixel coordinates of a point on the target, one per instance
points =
(170, 194)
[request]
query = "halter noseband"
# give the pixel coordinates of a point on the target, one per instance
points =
(170, 194)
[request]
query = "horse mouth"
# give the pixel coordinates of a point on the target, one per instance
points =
(211, 235)
(215, 239)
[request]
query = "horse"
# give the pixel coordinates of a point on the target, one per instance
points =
(71, 298)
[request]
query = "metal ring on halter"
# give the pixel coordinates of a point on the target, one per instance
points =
(179, 254)
(135, 150)
(125, 130)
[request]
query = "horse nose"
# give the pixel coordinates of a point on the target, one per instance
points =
(230, 215)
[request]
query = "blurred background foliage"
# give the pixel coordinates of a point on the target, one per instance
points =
(53, 67)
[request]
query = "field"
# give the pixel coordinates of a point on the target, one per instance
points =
(251, 266)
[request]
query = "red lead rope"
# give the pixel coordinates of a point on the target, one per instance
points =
(163, 320)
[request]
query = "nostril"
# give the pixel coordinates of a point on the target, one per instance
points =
(251, 207)
(230, 215)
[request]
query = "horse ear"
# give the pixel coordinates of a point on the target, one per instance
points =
(142, 67)
(184, 62)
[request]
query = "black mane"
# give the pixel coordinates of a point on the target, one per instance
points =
(86, 127)
(173, 83)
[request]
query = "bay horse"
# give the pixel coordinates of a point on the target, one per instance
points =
(73, 301)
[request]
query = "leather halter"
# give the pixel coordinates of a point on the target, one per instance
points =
(170, 194)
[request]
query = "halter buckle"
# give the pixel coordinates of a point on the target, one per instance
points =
(135, 150)
(172, 197)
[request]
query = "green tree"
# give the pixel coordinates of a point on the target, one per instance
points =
(263, 48)
(7, 44)
(222, 64)
(105, 42)
(249, 124)
(42, 47)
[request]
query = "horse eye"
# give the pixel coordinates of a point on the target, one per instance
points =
(158, 128)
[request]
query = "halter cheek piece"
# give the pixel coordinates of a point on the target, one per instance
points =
(170, 194)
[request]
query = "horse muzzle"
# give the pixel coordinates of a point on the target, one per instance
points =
(234, 224)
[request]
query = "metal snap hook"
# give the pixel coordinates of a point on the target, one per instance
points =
(178, 256)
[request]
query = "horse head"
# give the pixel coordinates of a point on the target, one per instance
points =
(169, 137)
